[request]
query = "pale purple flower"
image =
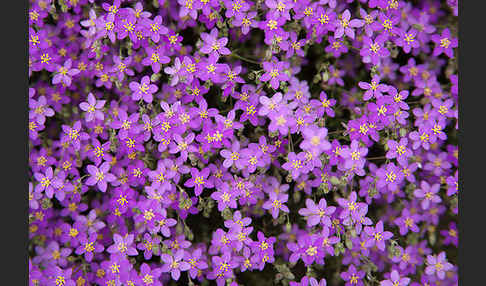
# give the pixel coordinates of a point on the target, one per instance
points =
(428, 194)
(65, 73)
(275, 203)
(143, 89)
(93, 108)
(346, 26)
(99, 176)
(122, 245)
(317, 213)
(438, 265)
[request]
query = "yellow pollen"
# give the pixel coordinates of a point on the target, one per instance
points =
(391, 176)
(56, 254)
(235, 156)
(225, 197)
(60, 281)
(311, 251)
(374, 48)
(89, 247)
(445, 42)
(148, 215)
(272, 24)
(409, 38)
(378, 236)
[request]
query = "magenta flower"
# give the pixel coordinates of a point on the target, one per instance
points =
(88, 245)
(39, 110)
(232, 157)
(65, 73)
(346, 26)
(213, 45)
(317, 214)
(199, 180)
(294, 164)
(174, 264)
(428, 194)
(376, 236)
(395, 280)
(354, 157)
(92, 108)
(274, 72)
(374, 89)
(353, 277)
(444, 43)
(438, 265)
(99, 176)
(374, 50)
(275, 203)
(143, 90)
(122, 245)
(225, 197)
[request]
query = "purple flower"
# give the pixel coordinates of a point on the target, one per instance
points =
(65, 73)
(275, 203)
(213, 45)
(316, 214)
(374, 50)
(444, 43)
(407, 221)
(196, 261)
(438, 265)
(46, 182)
(222, 268)
(428, 194)
(199, 180)
(395, 280)
(150, 276)
(346, 25)
(232, 157)
(399, 151)
(123, 245)
(354, 156)
(39, 110)
(147, 245)
(92, 108)
(155, 28)
(99, 176)
(376, 236)
(143, 90)
(225, 197)
(407, 40)
(324, 105)
(389, 177)
(56, 276)
(294, 164)
(353, 277)
(374, 89)
(274, 72)
(89, 246)
(336, 47)
(174, 264)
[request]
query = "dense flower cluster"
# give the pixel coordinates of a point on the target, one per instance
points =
(243, 142)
